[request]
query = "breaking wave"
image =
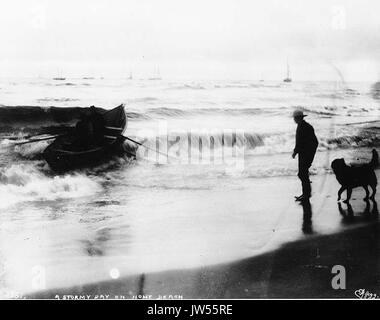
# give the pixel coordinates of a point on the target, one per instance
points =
(19, 121)
(355, 141)
(25, 182)
(35, 115)
(252, 143)
(164, 112)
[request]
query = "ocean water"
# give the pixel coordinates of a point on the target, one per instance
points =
(211, 199)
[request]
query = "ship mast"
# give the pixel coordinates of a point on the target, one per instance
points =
(288, 72)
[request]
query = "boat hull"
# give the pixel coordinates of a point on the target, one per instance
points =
(63, 160)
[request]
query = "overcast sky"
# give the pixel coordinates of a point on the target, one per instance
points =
(191, 39)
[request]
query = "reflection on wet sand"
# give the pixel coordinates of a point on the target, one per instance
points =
(349, 216)
(307, 225)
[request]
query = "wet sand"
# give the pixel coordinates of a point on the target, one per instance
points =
(300, 269)
(296, 269)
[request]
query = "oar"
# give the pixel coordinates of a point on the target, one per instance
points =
(36, 140)
(140, 144)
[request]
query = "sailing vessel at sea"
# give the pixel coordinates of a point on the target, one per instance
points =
(59, 77)
(288, 79)
(156, 74)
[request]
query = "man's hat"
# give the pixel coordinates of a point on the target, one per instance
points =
(299, 114)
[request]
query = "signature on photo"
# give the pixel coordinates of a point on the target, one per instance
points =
(365, 294)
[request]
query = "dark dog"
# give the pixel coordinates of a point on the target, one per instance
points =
(356, 176)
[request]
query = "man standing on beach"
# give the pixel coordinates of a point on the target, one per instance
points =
(306, 146)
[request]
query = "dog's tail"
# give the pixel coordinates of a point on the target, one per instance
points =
(375, 159)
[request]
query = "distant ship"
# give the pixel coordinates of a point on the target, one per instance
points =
(59, 77)
(156, 74)
(130, 75)
(288, 79)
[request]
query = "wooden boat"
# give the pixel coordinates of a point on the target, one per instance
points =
(63, 154)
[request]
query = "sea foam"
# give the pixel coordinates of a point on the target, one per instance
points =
(25, 182)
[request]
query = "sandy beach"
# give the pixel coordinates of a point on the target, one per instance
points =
(305, 247)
